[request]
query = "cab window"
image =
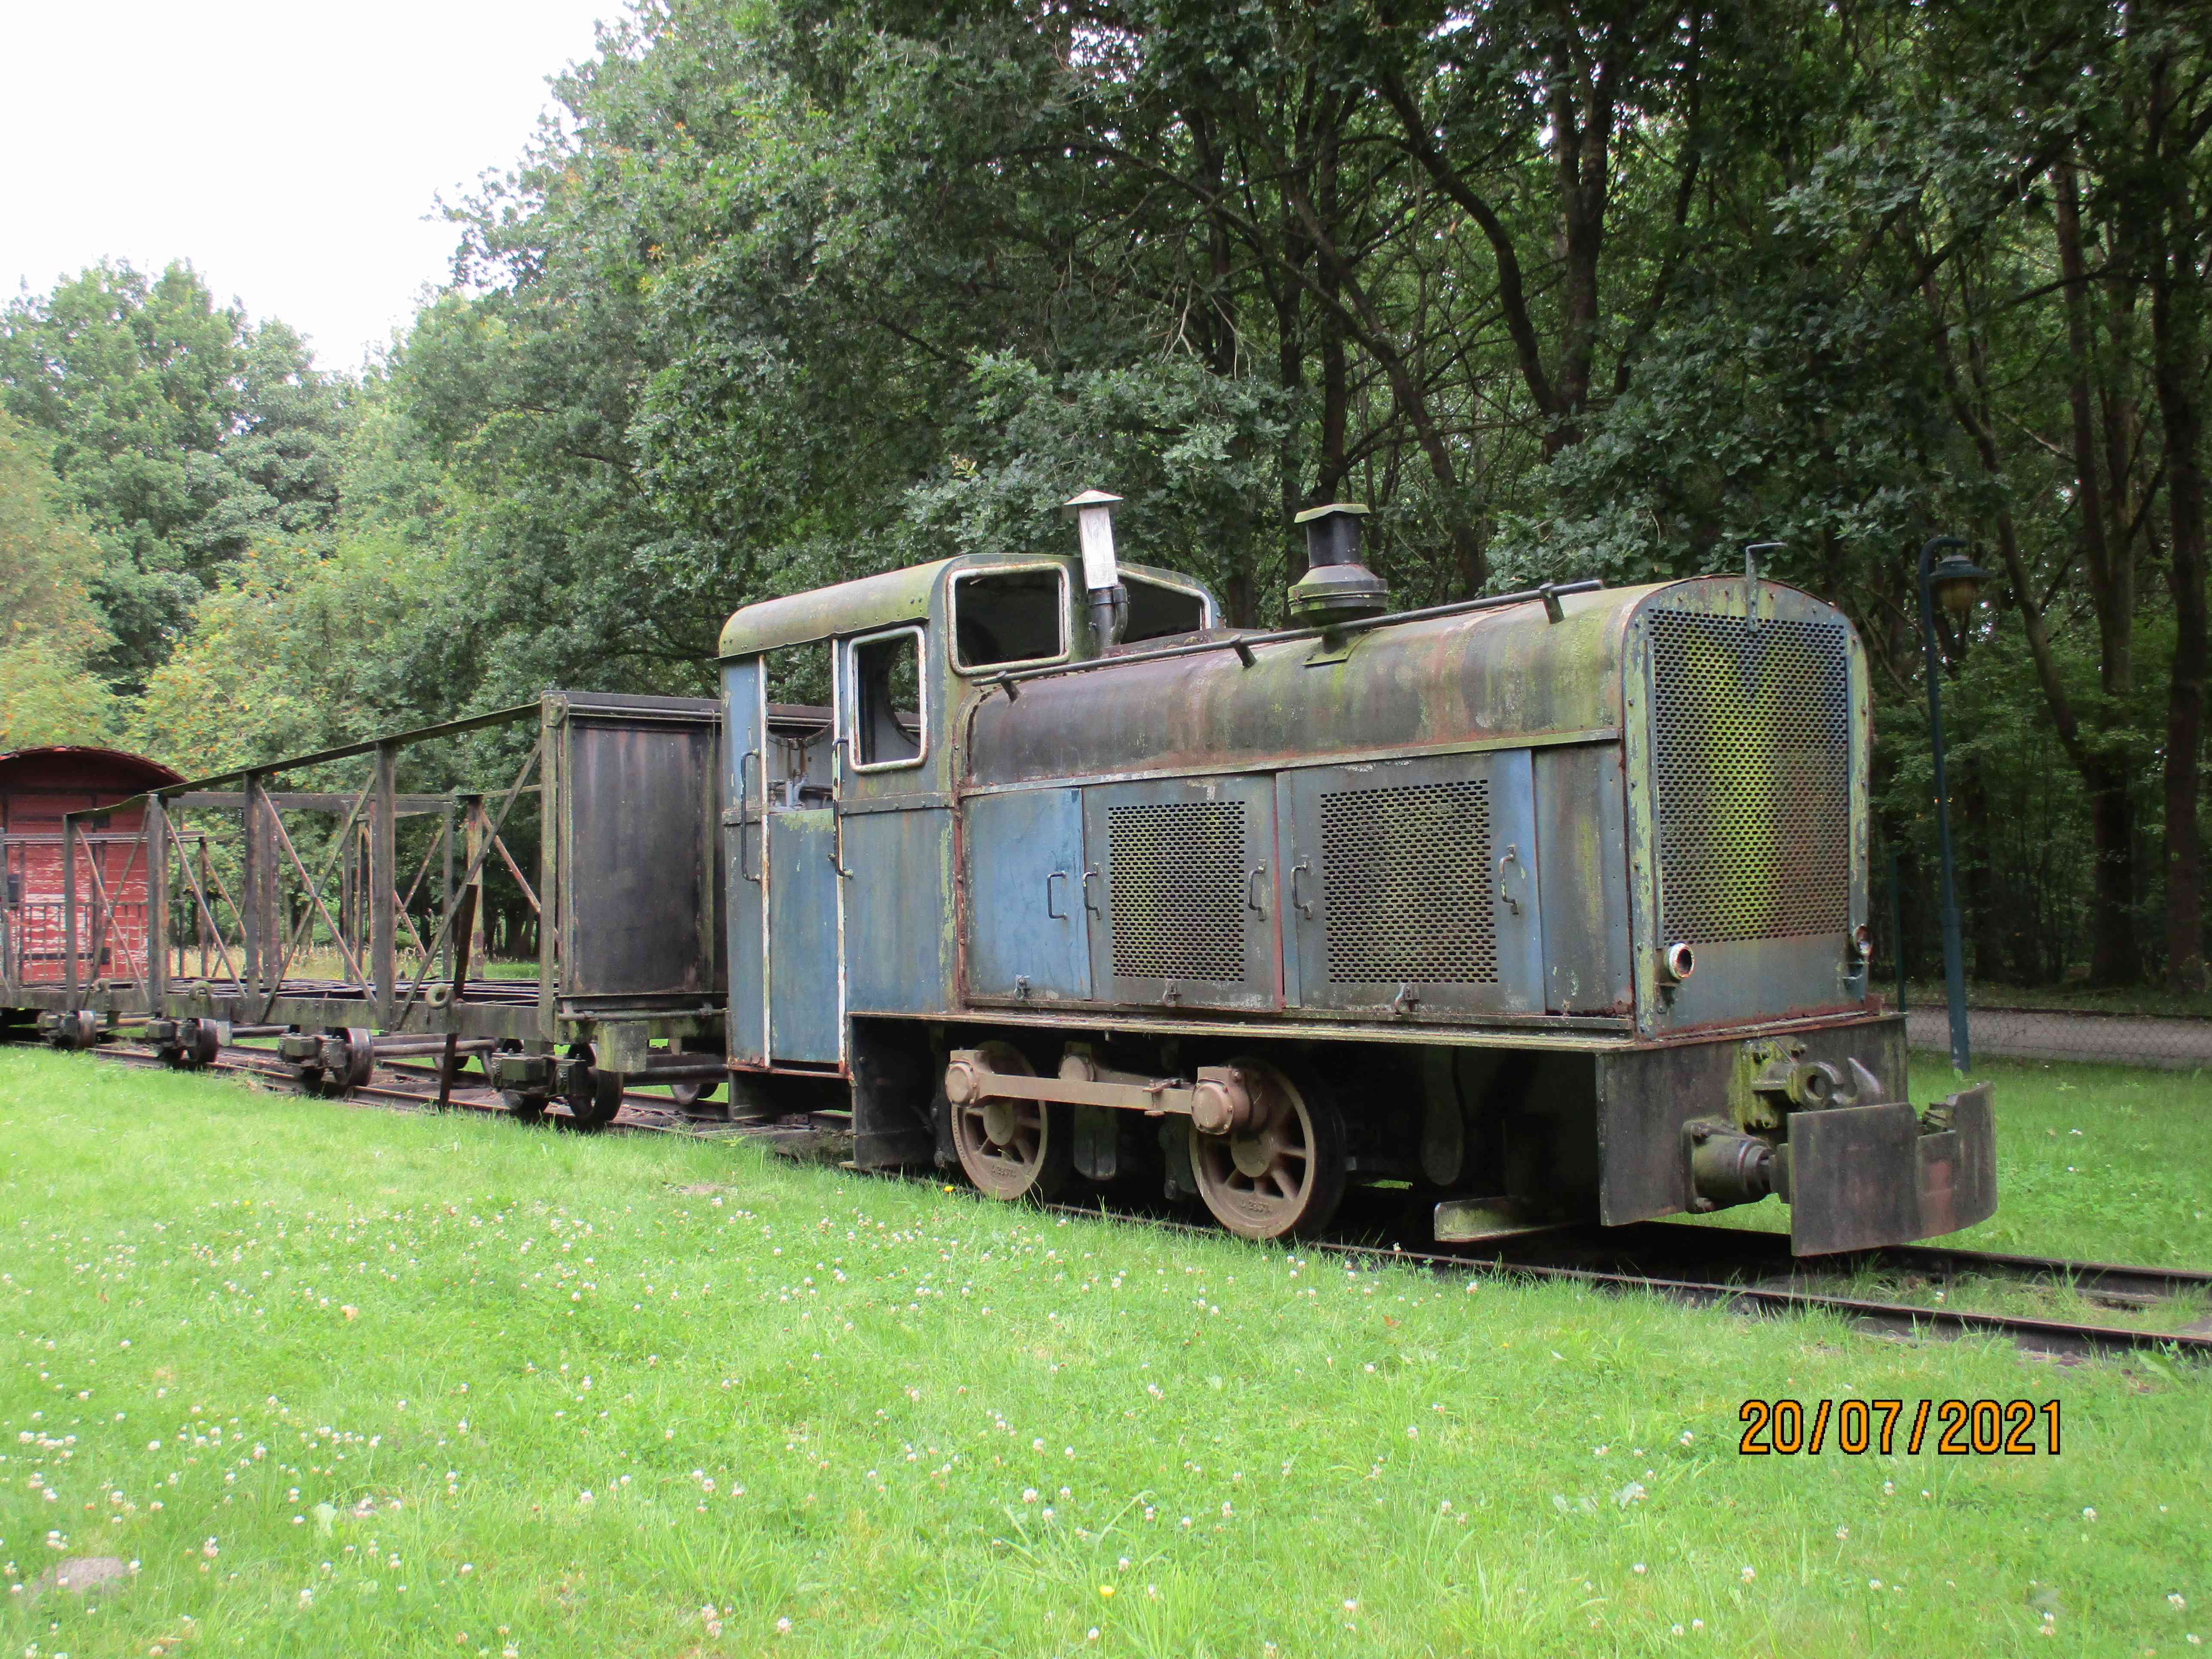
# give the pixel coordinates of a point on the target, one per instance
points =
(1157, 612)
(1005, 619)
(887, 702)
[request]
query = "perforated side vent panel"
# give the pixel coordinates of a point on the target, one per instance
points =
(1407, 875)
(1178, 890)
(1752, 745)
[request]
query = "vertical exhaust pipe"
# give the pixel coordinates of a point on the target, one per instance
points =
(1093, 513)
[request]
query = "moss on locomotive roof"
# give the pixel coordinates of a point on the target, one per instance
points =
(877, 601)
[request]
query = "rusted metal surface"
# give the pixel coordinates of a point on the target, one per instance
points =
(637, 869)
(1450, 683)
(1757, 724)
(241, 896)
(1646, 1095)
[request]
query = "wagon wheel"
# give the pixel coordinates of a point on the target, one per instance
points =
(596, 1109)
(1014, 1149)
(201, 1043)
(523, 1105)
(686, 1095)
(1282, 1176)
(525, 1108)
(361, 1060)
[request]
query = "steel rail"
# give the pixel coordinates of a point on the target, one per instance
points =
(2038, 1336)
(2053, 1336)
(2125, 1282)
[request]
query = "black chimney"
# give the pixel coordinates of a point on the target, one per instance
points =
(1336, 587)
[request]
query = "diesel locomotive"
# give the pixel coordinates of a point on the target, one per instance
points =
(1552, 907)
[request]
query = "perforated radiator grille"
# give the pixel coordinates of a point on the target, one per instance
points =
(1752, 745)
(1406, 874)
(1177, 890)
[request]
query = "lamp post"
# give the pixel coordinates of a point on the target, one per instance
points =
(1954, 582)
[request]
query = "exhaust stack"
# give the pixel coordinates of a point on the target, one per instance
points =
(1093, 513)
(1337, 587)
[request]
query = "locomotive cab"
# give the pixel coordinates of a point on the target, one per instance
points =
(1544, 909)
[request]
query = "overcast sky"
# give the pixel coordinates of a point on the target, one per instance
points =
(289, 151)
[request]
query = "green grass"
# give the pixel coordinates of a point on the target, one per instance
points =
(934, 1426)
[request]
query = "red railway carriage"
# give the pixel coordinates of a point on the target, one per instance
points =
(37, 787)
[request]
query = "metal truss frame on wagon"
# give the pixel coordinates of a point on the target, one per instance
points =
(627, 789)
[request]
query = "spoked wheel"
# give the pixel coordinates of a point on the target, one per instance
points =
(1283, 1175)
(1013, 1148)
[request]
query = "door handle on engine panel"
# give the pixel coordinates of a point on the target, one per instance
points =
(744, 761)
(837, 817)
(1056, 875)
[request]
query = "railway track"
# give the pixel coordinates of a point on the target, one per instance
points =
(1746, 1271)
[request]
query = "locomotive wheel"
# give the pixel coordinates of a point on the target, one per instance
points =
(1284, 1174)
(1014, 1149)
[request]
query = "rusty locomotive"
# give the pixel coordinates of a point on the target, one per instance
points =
(1546, 908)
(1551, 905)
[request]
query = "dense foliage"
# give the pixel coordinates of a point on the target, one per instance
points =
(798, 289)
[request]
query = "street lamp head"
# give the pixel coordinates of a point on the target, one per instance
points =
(1957, 582)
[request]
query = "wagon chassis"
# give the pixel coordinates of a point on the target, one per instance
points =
(239, 929)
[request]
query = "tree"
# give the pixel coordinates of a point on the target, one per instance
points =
(179, 431)
(49, 626)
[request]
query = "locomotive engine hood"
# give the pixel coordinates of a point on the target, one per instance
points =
(1504, 675)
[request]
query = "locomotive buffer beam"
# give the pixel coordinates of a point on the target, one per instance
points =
(1222, 1100)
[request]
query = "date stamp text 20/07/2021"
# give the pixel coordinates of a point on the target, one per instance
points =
(1960, 1428)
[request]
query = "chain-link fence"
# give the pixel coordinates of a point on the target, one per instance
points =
(2013, 1033)
(2062, 1019)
